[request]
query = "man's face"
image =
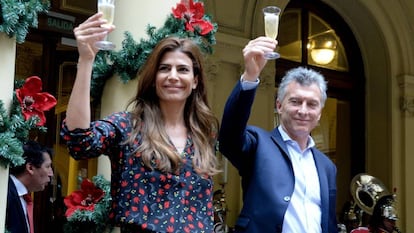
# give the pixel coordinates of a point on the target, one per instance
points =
(389, 225)
(300, 110)
(41, 176)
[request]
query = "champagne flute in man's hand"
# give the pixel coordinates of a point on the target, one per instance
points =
(271, 23)
(107, 7)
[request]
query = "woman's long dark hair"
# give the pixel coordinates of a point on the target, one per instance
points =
(199, 119)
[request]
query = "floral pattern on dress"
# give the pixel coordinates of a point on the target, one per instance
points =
(149, 199)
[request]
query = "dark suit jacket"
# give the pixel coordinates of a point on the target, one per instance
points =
(262, 160)
(15, 218)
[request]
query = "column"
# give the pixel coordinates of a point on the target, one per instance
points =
(7, 57)
(403, 162)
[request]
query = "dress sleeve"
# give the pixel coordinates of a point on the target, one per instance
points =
(102, 137)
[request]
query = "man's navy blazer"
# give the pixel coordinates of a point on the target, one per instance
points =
(262, 160)
(15, 218)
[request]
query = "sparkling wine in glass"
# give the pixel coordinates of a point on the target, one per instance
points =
(271, 23)
(107, 7)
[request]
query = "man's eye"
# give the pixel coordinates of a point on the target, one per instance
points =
(294, 101)
(313, 104)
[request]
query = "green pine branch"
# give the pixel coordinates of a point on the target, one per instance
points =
(17, 16)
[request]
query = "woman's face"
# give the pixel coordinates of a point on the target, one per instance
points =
(175, 78)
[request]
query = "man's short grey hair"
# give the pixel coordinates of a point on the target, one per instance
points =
(305, 77)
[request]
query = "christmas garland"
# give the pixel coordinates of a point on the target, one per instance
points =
(187, 20)
(88, 208)
(26, 115)
(16, 16)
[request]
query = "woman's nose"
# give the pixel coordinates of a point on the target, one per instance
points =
(173, 74)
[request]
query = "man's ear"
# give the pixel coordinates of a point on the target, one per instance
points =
(30, 168)
(278, 106)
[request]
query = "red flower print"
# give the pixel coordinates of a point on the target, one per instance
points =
(136, 199)
(200, 225)
(163, 178)
(170, 229)
(141, 191)
(172, 220)
(186, 229)
(145, 209)
(33, 101)
(166, 205)
(83, 199)
(161, 192)
(193, 14)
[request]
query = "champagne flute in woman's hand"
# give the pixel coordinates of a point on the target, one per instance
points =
(271, 23)
(107, 7)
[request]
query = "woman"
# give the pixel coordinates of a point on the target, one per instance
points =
(162, 151)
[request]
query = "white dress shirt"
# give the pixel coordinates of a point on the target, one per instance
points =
(304, 210)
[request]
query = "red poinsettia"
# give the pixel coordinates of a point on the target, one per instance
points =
(83, 199)
(193, 14)
(33, 101)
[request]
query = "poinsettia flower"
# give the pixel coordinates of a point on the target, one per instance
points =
(33, 101)
(193, 14)
(83, 199)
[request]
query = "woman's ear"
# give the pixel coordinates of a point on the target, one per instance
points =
(195, 83)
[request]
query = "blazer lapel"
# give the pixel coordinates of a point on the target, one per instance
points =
(277, 138)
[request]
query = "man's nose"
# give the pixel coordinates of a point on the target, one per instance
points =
(303, 108)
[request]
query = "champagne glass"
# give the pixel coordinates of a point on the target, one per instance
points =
(271, 23)
(107, 7)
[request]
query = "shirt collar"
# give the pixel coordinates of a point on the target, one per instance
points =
(286, 138)
(21, 189)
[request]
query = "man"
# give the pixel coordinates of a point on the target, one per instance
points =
(288, 185)
(33, 176)
(384, 217)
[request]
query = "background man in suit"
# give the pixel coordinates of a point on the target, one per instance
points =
(288, 185)
(33, 176)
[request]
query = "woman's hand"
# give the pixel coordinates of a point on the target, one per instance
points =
(89, 32)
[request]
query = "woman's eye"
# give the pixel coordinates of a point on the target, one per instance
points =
(183, 69)
(163, 68)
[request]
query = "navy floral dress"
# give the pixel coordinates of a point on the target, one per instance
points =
(144, 199)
